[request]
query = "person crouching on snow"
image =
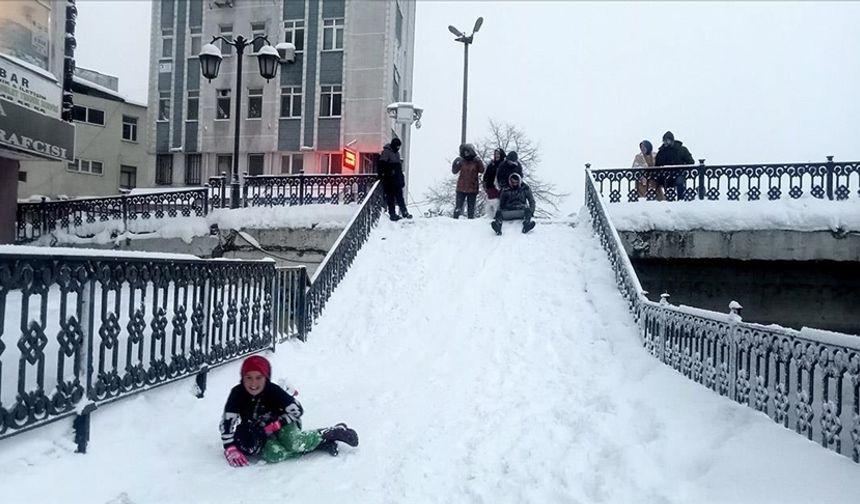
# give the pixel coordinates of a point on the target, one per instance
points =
(516, 202)
(262, 419)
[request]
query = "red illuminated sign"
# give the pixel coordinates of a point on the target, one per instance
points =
(350, 158)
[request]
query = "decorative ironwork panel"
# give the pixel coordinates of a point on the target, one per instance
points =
(277, 190)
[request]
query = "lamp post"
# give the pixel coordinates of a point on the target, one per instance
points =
(467, 41)
(268, 57)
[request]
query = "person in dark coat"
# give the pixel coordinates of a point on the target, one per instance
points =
(490, 181)
(262, 419)
(469, 167)
(516, 202)
(511, 165)
(673, 153)
(389, 169)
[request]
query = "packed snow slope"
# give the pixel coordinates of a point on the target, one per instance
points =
(476, 369)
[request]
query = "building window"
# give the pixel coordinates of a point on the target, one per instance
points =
(333, 34)
(164, 169)
(369, 162)
(163, 105)
(294, 32)
(193, 163)
(258, 29)
(398, 27)
(129, 128)
(22, 176)
(88, 115)
(193, 105)
(255, 164)
(396, 85)
(127, 177)
(292, 164)
(196, 40)
(226, 31)
(222, 108)
(255, 103)
(331, 164)
(86, 166)
(291, 101)
(224, 163)
(330, 101)
(167, 31)
(167, 47)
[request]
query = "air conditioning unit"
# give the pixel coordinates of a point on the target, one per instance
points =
(223, 3)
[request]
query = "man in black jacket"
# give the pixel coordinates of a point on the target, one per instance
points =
(672, 153)
(389, 169)
(510, 166)
(516, 202)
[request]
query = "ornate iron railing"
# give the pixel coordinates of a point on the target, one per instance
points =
(281, 190)
(830, 180)
(77, 332)
(38, 219)
(806, 380)
(290, 301)
(339, 258)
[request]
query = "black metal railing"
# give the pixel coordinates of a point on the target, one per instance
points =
(805, 380)
(339, 258)
(291, 190)
(831, 180)
(114, 213)
(80, 331)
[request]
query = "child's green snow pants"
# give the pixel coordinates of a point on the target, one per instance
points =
(290, 442)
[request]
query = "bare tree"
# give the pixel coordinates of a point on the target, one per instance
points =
(508, 137)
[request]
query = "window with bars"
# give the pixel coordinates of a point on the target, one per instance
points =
(193, 105)
(291, 101)
(333, 34)
(294, 32)
(255, 103)
(193, 171)
(222, 104)
(129, 128)
(164, 169)
(292, 164)
(330, 100)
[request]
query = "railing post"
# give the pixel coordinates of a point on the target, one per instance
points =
(302, 186)
(206, 200)
(124, 197)
(735, 310)
(245, 190)
(223, 184)
(43, 212)
(84, 366)
(830, 177)
(81, 425)
(701, 179)
(200, 381)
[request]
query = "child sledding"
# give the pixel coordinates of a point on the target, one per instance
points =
(262, 420)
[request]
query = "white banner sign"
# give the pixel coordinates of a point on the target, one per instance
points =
(28, 88)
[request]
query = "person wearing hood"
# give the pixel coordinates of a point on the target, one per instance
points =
(469, 167)
(490, 182)
(646, 182)
(262, 419)
(673, 153)
(509, 166)
(516, 202)
(389, 169)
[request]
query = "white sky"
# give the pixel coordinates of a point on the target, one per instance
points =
(735, 81)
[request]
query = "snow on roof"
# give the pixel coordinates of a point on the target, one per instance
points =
(92, 85)
(29, 66)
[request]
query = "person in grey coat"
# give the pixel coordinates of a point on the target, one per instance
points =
(516, 202)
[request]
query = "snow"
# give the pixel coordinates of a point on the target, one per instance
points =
(475, 368)
(108, 91)
(301, 216)
(79, 252)
(830, 338)
(804, 214)
(31, 67)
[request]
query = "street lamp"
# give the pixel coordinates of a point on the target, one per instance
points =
(467, 41)
(268, 57)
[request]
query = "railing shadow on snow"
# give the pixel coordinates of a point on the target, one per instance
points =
(805, 380)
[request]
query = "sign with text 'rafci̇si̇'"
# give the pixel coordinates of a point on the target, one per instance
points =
(30, 134)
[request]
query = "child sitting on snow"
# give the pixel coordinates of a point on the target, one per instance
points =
(261, 418)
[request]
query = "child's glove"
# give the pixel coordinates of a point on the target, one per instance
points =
(272, 427)
(234, 457)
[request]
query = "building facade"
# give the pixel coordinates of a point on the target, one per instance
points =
(353, 58)
(37, 47)
(111, 146)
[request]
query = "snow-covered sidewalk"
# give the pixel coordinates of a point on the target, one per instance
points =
(475, 368)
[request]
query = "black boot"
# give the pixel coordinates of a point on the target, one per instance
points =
(406, 215)
(394, 217)
(528, 226)
(497, 227)
(329, 447)
(342, 433)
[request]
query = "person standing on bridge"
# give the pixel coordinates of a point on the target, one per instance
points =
(647, 182)
(469, 167)
(673, 153)
(490, 182)
(262, 419)
(516, 202)
(389, 169)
